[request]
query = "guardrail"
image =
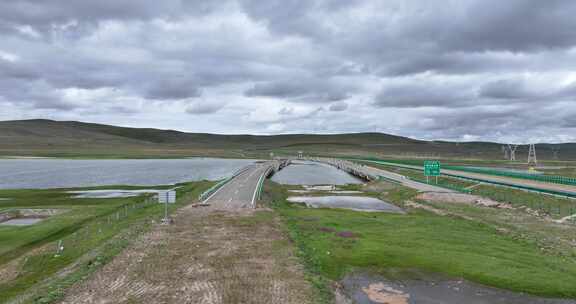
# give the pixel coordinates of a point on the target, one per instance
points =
(498, 183)
(219, 185)
(554, 179)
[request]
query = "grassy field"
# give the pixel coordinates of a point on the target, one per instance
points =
(333, 242)
(67, 139)
(29, 252)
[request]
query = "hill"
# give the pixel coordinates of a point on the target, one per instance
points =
(77, 139)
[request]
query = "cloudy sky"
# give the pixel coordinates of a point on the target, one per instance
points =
(435, 69)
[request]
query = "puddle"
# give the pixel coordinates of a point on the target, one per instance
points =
(111, 193)
(26, 217)
(370, 289)
(332, 192)
(21, 221)
(357, 203)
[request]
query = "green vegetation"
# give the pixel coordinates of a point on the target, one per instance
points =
(82, 227)
(554, 206)
(69, 139)
(333, 242)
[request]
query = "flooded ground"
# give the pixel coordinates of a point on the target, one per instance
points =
(312, 173)
(358, 203)
(370, 289)
(66, 173)
(111, 193)
(26, 217)
(21, 221)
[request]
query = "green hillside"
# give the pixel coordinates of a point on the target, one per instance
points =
(78, 139)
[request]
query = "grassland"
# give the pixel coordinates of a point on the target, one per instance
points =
(421, 241)
(70, 139)
(28, 254)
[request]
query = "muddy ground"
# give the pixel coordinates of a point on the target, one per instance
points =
(207, 256)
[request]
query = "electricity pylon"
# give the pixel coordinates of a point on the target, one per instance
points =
(532, 161)
(555, 152)
(505, 150)
(512, 151)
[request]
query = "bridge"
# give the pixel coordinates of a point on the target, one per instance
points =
(371, 173)
(242, 190)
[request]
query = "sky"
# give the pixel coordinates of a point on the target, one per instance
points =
(461, 70)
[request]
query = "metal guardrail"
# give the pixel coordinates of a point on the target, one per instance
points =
(510, 185)
(554, 179)
(219, 185)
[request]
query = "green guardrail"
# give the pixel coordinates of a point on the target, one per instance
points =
(261, 183)
(554, 179)
(213, 189)
(529, 188)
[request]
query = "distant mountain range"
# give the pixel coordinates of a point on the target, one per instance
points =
(42, 137)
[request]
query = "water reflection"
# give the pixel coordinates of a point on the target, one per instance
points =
(358, 203)
(312, 173)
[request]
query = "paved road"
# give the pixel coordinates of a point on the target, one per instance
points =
(506, 180)
(376, 172)
(407, 182)
(241, 191)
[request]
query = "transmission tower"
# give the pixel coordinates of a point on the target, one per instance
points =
(532, 161)
(505, 150)
(555, 152)
(512, 151)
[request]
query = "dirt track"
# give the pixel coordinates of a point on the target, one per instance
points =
(207, 256)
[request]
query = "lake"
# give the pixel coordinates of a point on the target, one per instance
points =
(66, 173)
(313, 173)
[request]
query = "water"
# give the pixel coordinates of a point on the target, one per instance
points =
(112, 193)
(358, 203)
(370, 289)
(21, 221)
(312, 173)
(64, 173)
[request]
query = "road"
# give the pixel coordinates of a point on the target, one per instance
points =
(374, 173)
(518, 182)
(227, 252)
(240, 191)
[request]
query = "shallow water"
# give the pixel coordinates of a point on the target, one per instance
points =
(369, 289)
(65, 173)
(312, 173)
(111, 193)
(359, 203)
(21, 222)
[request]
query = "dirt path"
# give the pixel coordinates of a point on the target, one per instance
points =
(207, 256)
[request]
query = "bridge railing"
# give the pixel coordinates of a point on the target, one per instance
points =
(206, 194)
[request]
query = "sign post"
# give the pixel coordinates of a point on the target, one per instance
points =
(167, 197)
(432, 168)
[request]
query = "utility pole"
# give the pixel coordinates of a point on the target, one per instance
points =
(532, 161)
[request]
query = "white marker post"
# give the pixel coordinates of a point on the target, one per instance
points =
(167, 197)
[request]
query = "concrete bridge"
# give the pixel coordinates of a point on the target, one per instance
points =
(243, 189)
(371, 174)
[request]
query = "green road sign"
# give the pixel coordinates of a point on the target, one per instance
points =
(432, 168)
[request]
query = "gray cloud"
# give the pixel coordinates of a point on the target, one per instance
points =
(338, 107)
(303, 89)
(202, 108)
(442, 68)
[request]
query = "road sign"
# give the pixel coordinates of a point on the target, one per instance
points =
(432, 168)
(167, 197)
